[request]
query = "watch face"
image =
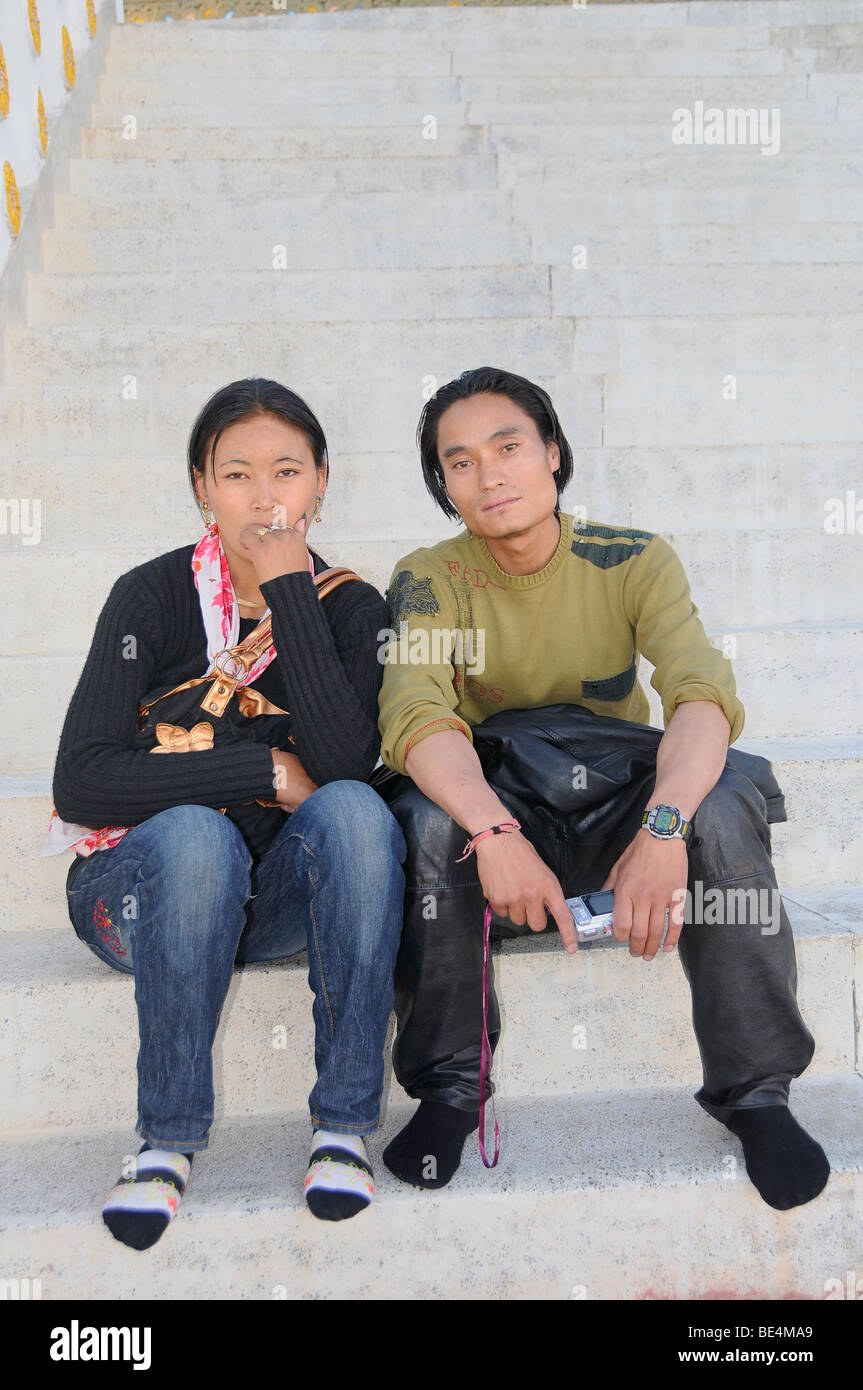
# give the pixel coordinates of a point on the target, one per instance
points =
(665, 821)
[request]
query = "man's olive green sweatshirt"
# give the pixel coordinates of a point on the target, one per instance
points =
(467, 639)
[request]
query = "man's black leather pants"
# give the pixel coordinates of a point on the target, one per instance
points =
(578, 783)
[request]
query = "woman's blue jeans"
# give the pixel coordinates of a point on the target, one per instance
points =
(177, 902)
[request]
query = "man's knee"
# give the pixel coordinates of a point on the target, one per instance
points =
(730, 828)
(434, 841)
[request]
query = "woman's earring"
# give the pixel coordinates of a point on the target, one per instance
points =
(207, 514)
(317, 509)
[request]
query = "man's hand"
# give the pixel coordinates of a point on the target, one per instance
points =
(276, 552)
(518, 885)
(650, 876)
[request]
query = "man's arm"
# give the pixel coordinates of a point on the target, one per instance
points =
(515, 880)
(690, 756)
(668, 631)
(646, 877)
(702, 715)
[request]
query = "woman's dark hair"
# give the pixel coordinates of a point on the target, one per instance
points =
(533, 400)
(238, 401)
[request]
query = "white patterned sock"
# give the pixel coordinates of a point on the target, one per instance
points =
(339, 1182)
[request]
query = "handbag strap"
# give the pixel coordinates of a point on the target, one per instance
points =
(246, 653)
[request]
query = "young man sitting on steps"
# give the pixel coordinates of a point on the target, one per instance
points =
(527, 611)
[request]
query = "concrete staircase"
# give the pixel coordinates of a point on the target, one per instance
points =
(412, 258)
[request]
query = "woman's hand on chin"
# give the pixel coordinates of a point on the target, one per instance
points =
(276, 552)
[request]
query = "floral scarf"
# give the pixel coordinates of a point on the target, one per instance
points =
(220, 613)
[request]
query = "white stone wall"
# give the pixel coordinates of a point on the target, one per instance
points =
(28, 72)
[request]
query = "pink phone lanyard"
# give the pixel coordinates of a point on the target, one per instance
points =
(485, 1053)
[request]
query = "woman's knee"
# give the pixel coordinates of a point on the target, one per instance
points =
(354, 817)
(197, 846)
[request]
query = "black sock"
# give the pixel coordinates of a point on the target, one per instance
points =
(786, 1164)
(428, 1150)
(126, 1212)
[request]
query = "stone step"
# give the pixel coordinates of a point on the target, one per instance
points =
(444, 241)
(767, 662)
(579, 1206)
(213, 352)
(38, 688)
(153, 46)
(304, 142)
(158, 41)
(437, 239)
(723, 406)
(692, 168)
(279, 139)
(811, 847)
(724, 90)
(565, 52)
(716, 16)
(521, 291)
(564, 109)
(536, 348)
(844, 85)
(849, 109)
(548, 136)
(569, 1024)
(765, 77)
(384, 413)
(105, 208)
(698, 173)
(232, 179)
(234, 112)
(277, 62)
(198, 86)
(541, 208)
(674, 291)
(753, 342)
(568, 59)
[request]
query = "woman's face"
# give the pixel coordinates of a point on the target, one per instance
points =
(263, 473)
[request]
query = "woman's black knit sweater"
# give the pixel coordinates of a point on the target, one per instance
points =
(150, 637)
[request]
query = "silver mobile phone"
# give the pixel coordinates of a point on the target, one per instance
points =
(592, 915)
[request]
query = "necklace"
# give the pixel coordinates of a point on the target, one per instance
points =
(249, 603)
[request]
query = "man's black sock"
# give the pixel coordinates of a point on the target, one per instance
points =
(786, 1164)
(428, 1150)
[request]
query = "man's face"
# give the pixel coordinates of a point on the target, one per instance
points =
(497, 470)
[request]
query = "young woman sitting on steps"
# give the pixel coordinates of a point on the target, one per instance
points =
(258, 835)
